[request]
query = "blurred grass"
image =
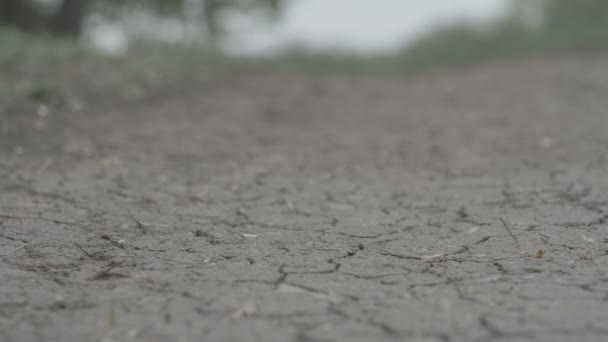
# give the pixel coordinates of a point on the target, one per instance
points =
(41, 68)
(17, 47)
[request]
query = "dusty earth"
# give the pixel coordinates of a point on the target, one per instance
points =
(284, 206)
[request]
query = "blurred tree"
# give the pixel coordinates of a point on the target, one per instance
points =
(212, 10)
(557, 14)
(21, 14)
(568, 12)
(67, 18)
(530, 13)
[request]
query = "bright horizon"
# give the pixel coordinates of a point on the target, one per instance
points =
(336, 24)
(356, 26)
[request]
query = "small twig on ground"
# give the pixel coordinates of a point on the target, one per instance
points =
(17, 249)
(105, 273)
(509, 230)
(115, 243)
(83, 251)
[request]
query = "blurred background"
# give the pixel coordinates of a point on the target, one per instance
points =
(154, 39)
(273, 27)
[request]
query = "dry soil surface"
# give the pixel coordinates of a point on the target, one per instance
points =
(284, 206)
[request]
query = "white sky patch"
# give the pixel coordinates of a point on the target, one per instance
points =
(356, 26)
(361, 26)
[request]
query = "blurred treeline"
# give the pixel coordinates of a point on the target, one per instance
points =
(532, 26)
(66, 17)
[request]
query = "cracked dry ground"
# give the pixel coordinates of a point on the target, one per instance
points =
(259, 206)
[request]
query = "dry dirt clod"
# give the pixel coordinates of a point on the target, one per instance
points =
(248, 308)
(107, 273)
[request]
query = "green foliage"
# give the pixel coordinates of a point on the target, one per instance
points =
(18, 47)
(583, 21)
(566, 24)
(42, 91)
(462, 44)
(577, 13)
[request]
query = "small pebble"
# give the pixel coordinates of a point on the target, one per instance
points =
(472, 230)
(43, 111)
(545, 142)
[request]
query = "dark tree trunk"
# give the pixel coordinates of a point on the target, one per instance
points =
(22, 15)
(11, 11)
(68, 20)
(211, 11)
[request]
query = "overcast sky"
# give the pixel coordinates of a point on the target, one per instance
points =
(359, 25)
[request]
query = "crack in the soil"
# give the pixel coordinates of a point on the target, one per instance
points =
(372, 277)
(41, 218)
(357, 236)
(482, 240)
(400, 256)
(462, 249)
(382, 327)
